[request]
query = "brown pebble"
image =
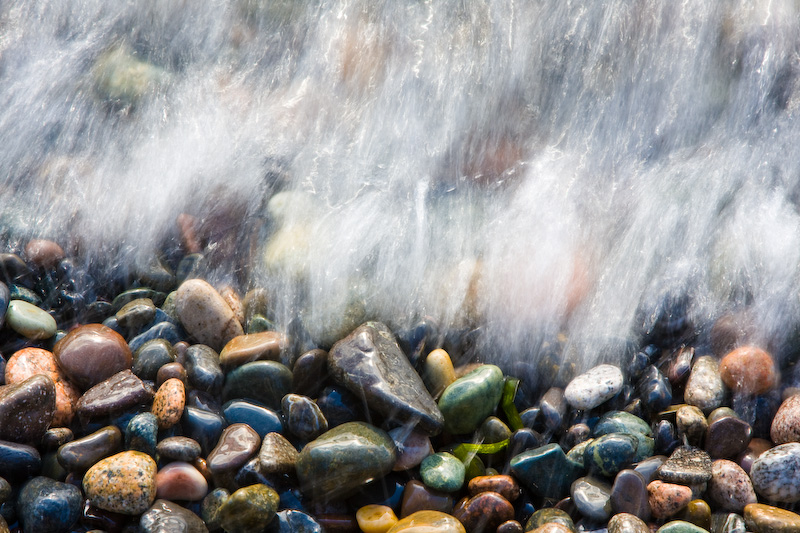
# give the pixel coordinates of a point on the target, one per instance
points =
(44, 253)
(92, 353)
(168, 403)
(748, 370)
(505, 485)
(510, 526)
(418, 497)
(762, 518)
(266, 345)
(169, 371)
(484, 512)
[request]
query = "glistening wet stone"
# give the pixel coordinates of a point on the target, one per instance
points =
(27, 408)
(467, 401)
(49, 506)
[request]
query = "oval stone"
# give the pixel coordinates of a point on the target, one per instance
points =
(761, 518)
(203, 368)
(44, 253)
(180, 481)
(774, 473)
(80, 454)
(592, 498)
(266, 382)
(730, 487)
(504, 485)
(592, 388)
(266, 345)
(205, 314)
(178, 449)
(467, 401)
(248, 509)
(168, 403)
(484, 512)
(705, 388)
(92, 353)
(116, 394)
(375, 518)
(629, 494)
(309, 373)
(611, 453)
(627, 523)
(442, 471)
(428, 522)
(438, 372)
(277, 455)
(748, 370)
(27, 409)
(46, 505)
(237, 445)
(124, 483)
(786, 423)
(412, 447)
(258, 417)
(666, 499)
(30, 321)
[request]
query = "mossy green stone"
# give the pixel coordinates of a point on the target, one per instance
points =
(679, 526)
(578, 452)
(341, 460)
(546, 470)
(442, 471)
(548, 515)
(30, 321)
(248, 509)
(467, 401)
(611, 453)
(621, 422)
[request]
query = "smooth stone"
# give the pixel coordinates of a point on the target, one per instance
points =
(629, 494)
(592, 498)
(666, 499)
(169, 371)
(621, 422)
(748, 370)
(141, 434)
(203, 426)
(137, 293)
(730, 488)
(309, 373)
(727, 437)
(680, 526)
(761, 518)
(774, 473)
(44, 253)
(594, 387)
(27, 409)
(375, 518)
(754, 449)
(258, 417)
(698, 512)
(687, 466)
(266, 345)
(550, 515)
(553, 407)
(80, 454)
(412, 447)
(504, 485)
(209, 507)
(27, 363)
(705, 388)
(650, 466)
(178, 449)
(370, 363)
(522, 440)
(360, 451)
(265, 382)
(428, 522)
(18, 461)
(203, 368)
(53, 438)
(205, 314)
(248, 509)
(13, 268)
(418, 497)
(339, 406)
(92, 353)
(546, 470)
(168, 403)
(438, 372)
(786, 423)
(293, 521)
(665, 439)
(124, 483)
(237, 445)
(510, 526)
(180, 481)
(136, 314)
(610, 453)
(304, 419)
(484, 512)
(443, 472)
(551, 527)
(48, 506)
(627, 523)
(167, 517)
(277, 455)
(29, 320)
(654, 389)
(692, 424)
(466, 402)
(164, 330)
(149, 359)
(727, 523)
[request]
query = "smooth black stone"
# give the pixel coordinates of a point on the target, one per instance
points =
(727, 437)
(203, 369)
(387, 491)
(641, 360)
(168, 331)
(130, 295)
(203, 400)
(203, 426)
(27, 408)
(5, 298)
(13, 268)
(80, 454)
(655, 390)
(167, 517)
(339, 406)
(265, 382)
(629, 494)
(262, 419)
(293, 521)
(370, 363)
(55, 437)
(18, 461)
(416, 340)
(178, 448)
(533, 418)
(151, 356)
(48, 506)
(665, 437)
(310, 372)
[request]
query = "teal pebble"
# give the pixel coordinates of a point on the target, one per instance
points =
(679, 526)
(141, 434)
(30, 321)
(467, 401)
(546, 470)
(611, 453)
(623, 422)
(266, 382)
(443, 472)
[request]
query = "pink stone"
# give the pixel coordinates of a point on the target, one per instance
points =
(666, 499)
(180, 481)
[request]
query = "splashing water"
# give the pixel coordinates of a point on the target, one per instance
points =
(522, 167)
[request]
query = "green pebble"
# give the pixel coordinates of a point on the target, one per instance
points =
(442, 471)
(548, 515)
(546, 470)
(30, 321)
(611, 453)
(679, 526)
(248, 509)
(467, 401)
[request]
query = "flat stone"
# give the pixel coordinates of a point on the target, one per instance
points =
(748, 370)
(205, 314)
(178, 449)
(705, 388)
(592, 498)
(92, 353)
(370, 363)
(123, 483)
(686, 466)
(27, 409)
(45, 505)
(730, 488)
(592, 388)
(546, 470)
(237, 445)
(680, 526)
(167, 517)
(248, 509)
(277, 455)
(168, 403)
(80, 454)
(361, 453)
(116, 394)
(467, 401)
(266, 345)
(29, 320)
(786, 422)
(774, 473)
(484, 512)
(179, 481)
(442, 472)
(666, 499)
(428, 522)
(761, 518)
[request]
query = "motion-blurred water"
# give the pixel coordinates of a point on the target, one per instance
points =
(525, 168)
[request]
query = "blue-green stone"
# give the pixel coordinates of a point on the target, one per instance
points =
(141, 435)
(442, 471)
(466, 402)
(265, 382)
(546, 470)
(46, 505)
(258, 417)
(680, 526)
(611, 453)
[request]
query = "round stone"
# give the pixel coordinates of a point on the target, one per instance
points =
(680, 526)
(124, 483)
(727, 436)
(442, 471)
(375, 518)
(136, 314)
(438, 372)
(46, 505)
(27, 409)
(611, 453)
(179, 481)
(309, 373)
(730, 487)
(627, 523)
(774, 473)
(484, 512)
(428, 522)
(266, 345)
(92, 353)
(44, 253)
(178, 449)
(237, 445)
(205, 314)
(786, 423)
(592, 388)
(504, 485)
(168, 403)
(466, 402)
(30, 321)
(248, 509)
(748, 370)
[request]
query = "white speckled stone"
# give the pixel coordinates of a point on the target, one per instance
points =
(592, 388)
(774, 473)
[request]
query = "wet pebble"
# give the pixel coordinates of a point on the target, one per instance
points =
(141, 434)
(123, 483)
(428, 522)
(466, 402)
(654, 389)
(629, 494)
(48, 506)
(80, 454)
(266, 345)
(748, 370)
(168, 403)
(202, 426)
(237, 445)
(92, 353)
(438, 372)
(27, 409)
(412, 447)
(443, 472)
(761, 518)
(248, 509)
(375, 518)
(687, 466)
(774, 473)
(705, 388)
(136, 314)
(166, 517)
(610, 453)
(730, 487)
(627, 523)
(680, 526)
(178, 449)
(44, 253)
(666, 499)
(504, 485)
(309, 372)
(258, 417)
(546, 470)
(550, 515)
(149, 359)
(592, 388)
(205, 314)
(418, 497)
(18, 461)
(786, 423)
(180, 481)
(29, 320)
(484, 512)
(266, 382)
(592, 498)
(203, 369)
(304, 419)
(277, 455)
(727, 437)
(691, 424)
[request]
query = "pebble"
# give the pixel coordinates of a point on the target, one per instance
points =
(428, 522)
(124, 483)
(654, 389)
(266, 345)
(309, 372)
(237, 445)
(705, 388)
(153, 355)
(418, 497)
(629, 494)
(180, 481)
(370, 363)
(205, 314)
(136, 314)
(550, 515)
(438, 372)
(504, 485)
(293, 521)
(360, 451)
(375, 518)
(266, 382)
(466, 402)
(510, 526)
(44, 253)
(48, 506)
(29, 320)
(786, 423)
(691, 424)
(258, 417)
(178, 449)
(80, 454)
(304, 419)
(277, 455)
(730, 487)
(92, 353)
(761, 518)
(18, 461)
(27, 409)
(748, 370)
(442, 472)
(666, 499)
(248, 509)
(627, 523)
(546, 470)
(141, 433)
(166, 517)
(687, 466)
(412, 447)
(203, 368)
(727, 437)
(610, 453)
(727, 523)
(203, 426)
(168, 403)
(169, 371)
(774, 473)
(698, 512)
(592, 498)
(680, 526)
(484, 512)
(594, 387)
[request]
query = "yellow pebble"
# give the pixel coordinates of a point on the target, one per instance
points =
(375, 518)
(438, 372)
(428, 522)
